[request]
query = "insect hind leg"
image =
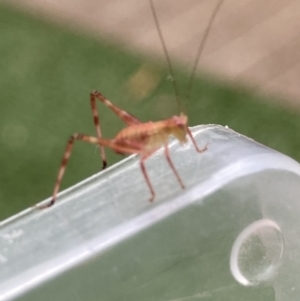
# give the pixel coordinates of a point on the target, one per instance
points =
(123, 115)
(119, 145)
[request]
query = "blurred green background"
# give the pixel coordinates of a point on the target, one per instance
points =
(46, 75)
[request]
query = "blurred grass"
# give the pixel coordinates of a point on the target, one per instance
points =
(46, 75)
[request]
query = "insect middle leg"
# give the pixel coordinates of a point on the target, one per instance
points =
(145, 174)
(123, 115)
(167, 154)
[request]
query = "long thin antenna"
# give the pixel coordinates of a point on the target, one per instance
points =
(202, 44)
(167, 56)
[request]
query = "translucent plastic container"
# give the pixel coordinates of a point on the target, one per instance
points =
(232, 234)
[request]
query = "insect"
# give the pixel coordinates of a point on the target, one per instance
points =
(137, 137)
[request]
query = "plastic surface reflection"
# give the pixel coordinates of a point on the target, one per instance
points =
(233, 234)
(256, 253)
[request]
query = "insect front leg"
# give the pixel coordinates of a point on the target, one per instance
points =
(199, 150)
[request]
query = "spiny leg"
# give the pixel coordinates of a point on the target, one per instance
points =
(98, 130)
(199, 150)
(123, 115)
(167, 153)
(126, 117)
(121, 146)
